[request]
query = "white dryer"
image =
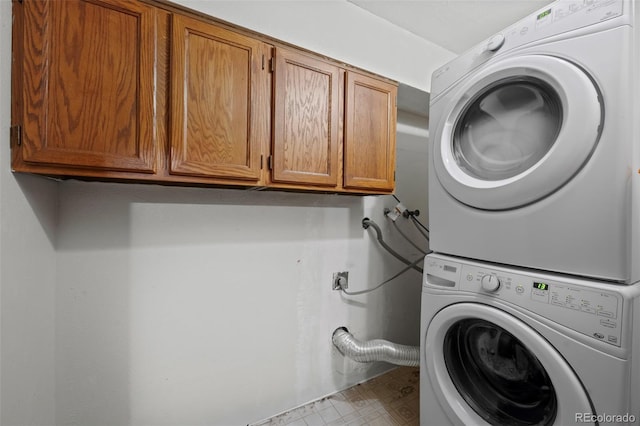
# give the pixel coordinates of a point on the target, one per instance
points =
(504, 346)
(534, 155)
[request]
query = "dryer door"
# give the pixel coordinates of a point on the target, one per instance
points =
(488, 367)
(516, 131)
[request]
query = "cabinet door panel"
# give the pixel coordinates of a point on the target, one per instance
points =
(89, 84)
(216, 90)
(370, 134)
(306, 116)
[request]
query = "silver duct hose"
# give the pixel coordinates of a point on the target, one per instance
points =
(375, 350)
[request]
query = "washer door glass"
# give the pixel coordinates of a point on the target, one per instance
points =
(507, 129)
(515, 131)
(497, 375)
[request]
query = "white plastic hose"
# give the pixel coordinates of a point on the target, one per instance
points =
(375, 350)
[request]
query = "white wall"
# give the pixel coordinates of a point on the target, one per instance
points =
(206, 306)
(28, 207)
(411, 163)
(141, 304)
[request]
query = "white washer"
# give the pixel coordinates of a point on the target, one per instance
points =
(509, 346)
(534, 158)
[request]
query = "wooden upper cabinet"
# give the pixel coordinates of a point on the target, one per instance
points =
(87, 92)
(370, 134)
(148, 91)
(306, 113)
(220, 101)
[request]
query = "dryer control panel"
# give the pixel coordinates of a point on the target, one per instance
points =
(564, 16)
(587, 307)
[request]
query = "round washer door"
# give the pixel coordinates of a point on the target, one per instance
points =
(487, 367)
(516, 131)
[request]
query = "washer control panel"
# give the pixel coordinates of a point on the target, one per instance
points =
(578, 304)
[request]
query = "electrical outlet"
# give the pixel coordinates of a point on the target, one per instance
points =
(340, 280)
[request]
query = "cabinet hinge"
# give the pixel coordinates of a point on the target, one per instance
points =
(15, 135)
(270, 162)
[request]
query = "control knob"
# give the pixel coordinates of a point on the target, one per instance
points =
(490, 283)
(495, 43)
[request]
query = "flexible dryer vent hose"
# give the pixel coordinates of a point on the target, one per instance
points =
(375, 350)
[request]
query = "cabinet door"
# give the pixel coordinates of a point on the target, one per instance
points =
(306, 117)
(88, 85)
(370, 134)
(218, 101)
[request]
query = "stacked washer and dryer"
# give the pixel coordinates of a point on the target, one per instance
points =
(531, 299)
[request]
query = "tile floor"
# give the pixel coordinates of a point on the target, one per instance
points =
(391, 399)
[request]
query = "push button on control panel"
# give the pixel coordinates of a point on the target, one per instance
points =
(608, 323)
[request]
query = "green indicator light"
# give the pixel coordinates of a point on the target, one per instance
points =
(543, 14)
(541, 286)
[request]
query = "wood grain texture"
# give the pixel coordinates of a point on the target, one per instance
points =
(216, 90)
(370, 133)
(146, 91)
(162, 92)
(88, 84)
(17, 75)
(306, 119)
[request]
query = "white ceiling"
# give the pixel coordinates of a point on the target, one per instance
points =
(456, 25)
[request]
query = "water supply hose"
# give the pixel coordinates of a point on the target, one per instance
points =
(366, 223)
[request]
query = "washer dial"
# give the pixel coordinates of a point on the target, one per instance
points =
(490, 283)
